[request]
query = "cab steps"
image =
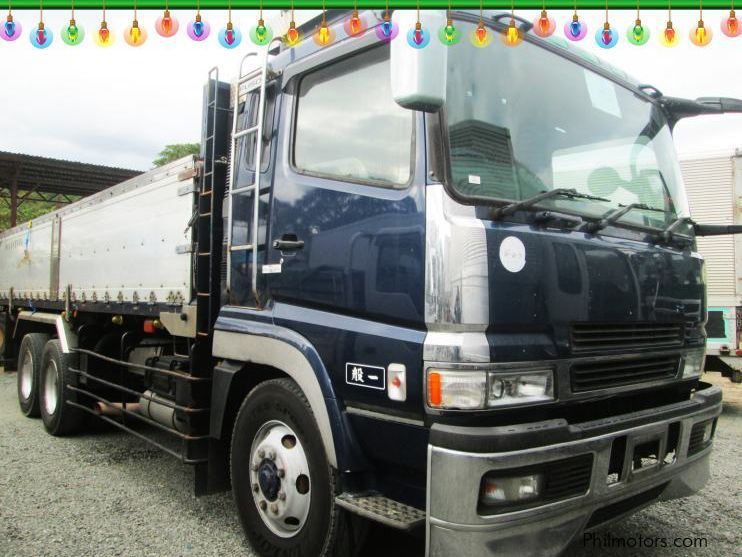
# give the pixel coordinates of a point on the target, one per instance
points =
(382, 509)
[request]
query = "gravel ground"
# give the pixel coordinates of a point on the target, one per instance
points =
(106, 493)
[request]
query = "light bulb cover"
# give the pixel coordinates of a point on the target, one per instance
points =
(481, 37)
(544, 26)
(72, 34)
(606, 37)
(637, 34)
(449, 34)
(387, 31)
(418, 36)
(103, 37)
(731, 26)
(356, 25)
(198, 29)
(575, 30)
(701, 35)
(166, 25)
(134, 35)
(261, 34)
(230, 36)
(669, 37)
(11, 29)
(324, 35)
(512, 36)
(41, 37)
(292, 36)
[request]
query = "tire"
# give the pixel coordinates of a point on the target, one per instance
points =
(276, 417)
(59, 417)
(29, 370)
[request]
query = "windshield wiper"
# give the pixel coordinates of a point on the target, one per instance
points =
(531, 201)
(617, 214)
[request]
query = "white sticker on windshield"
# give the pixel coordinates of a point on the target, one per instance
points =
(473, 179)
(602, 94)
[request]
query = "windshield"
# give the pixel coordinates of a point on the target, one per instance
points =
(524, 120)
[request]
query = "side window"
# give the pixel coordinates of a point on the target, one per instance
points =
(247, 117)
(348, 125)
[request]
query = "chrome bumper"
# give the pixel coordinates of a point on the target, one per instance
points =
(455, 527)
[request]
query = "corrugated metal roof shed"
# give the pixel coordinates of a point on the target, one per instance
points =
(33, 178)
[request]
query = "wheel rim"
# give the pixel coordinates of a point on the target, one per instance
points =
(51, 396)
(27, 376)
(279, 478)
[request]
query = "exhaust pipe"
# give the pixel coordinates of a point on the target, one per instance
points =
(115, 409)
(159, 412)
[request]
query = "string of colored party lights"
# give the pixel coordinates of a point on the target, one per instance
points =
(386, 30)
(11, 29)
(197, 29)
(575, 30)
(261, 34)
(41, 37)
(637, 34)
(701, 36)
(229, 35)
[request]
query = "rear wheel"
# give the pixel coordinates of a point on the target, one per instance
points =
(283, 484)
(29, 366)
(59, 417)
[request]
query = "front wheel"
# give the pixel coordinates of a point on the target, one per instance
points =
(283, 484)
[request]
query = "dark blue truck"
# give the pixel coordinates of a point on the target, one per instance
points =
(451, 290)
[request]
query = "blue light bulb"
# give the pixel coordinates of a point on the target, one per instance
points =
(198, 28)
(9, 28)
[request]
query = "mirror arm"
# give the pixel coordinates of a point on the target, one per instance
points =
(717, 229)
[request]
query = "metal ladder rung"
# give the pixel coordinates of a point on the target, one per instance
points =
(204, 254)
(248, 76)
(246, 131)
(243, 189)
(205, 193)
(242, 247)
(203, 294)
(202, 215)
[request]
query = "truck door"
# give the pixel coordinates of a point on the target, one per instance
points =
(253, 144)
(346, 256)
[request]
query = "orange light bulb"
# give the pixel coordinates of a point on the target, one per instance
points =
(292, 35)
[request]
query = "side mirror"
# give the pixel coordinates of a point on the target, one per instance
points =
(419, 74)
(677, 109)
(721, 104)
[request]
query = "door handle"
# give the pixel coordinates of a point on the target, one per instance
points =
(288, 242)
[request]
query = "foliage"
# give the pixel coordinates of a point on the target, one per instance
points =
(176, 151)
(27, 210)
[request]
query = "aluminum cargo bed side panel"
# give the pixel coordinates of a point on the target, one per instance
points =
(133, 246)
(25, 265)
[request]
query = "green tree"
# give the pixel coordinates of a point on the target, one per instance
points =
(176, 151)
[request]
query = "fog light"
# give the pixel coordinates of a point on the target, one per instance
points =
(693, 364)
(506, 491)
(708, 430)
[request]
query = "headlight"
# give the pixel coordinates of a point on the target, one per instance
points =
(693, 364)
(509, 490)
(471, 390)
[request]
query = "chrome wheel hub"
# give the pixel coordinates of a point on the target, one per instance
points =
(51, 398)
(279, 476)
(27, 376)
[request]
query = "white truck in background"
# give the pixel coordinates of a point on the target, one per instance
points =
(713, 182)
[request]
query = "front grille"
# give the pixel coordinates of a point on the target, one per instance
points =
(568, 477)
(592, 337)
(695, 443)
(603, 374)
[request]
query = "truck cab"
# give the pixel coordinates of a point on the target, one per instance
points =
(500, 332)
(452, 290)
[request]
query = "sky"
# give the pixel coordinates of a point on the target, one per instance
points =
(121, 105)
